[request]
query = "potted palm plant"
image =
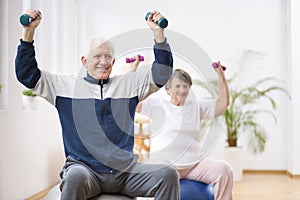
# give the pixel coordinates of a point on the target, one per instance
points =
(30, 101)
(241, 117)
(0, 87)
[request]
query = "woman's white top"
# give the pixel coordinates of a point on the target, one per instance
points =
(175, 130)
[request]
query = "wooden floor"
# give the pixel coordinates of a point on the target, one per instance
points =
(267, 186)
(257, 186)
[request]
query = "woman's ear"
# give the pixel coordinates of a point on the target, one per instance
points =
(83, 61)
(168, 91)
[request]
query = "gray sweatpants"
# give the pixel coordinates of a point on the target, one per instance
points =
(79, 182)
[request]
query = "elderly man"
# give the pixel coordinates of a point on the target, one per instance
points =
(96, 114)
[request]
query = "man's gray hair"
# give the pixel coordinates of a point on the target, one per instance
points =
(94, 42)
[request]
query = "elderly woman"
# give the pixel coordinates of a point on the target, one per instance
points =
(175, 140)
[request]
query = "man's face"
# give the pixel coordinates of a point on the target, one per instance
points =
(99, 62)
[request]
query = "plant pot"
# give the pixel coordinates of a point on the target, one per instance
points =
(30, 103)
(232, 142)
(234, 155)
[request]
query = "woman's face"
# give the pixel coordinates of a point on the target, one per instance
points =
(179, 90)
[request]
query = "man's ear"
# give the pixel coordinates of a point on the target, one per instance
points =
(83, 61)
(113, 62)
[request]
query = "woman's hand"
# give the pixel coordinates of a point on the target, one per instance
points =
(135, 64)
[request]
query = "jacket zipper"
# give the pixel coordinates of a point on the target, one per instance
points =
(101, 86)
(102, 110)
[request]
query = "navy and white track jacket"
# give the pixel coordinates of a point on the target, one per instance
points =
(96, 116)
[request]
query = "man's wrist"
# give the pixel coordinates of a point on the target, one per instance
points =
(159, 36)
(28, 35)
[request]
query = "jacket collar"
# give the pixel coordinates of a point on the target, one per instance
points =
(92, 80)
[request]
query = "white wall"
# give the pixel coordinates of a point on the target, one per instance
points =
(31, 149)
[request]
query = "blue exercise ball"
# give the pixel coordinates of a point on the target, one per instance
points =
(195, 190)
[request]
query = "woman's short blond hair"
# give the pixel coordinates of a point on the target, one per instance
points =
(181, 75)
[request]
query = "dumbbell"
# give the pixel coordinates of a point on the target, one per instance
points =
(129, 60)
(25, 19)
(215, 65)
(162, 22)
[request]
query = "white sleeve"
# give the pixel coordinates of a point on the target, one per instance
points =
(148, 105)
(207, 108)
(49, 85)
